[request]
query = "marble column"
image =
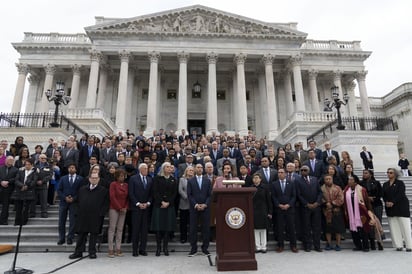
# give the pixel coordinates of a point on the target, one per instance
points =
(101, 95)
(241, 94)
(121, 106)
(48, 84)
(297, 81)
(337, 81)
(130, 119)
(314, 90)
(96, 57)
(75, 86)
(32, 94)
(352, 108)
(154, 58)
(183, 58)
(234, 101)
(22, 69)
(211, 94)
(360, 78)
(272, 107)
(287, 85)
(263, 102)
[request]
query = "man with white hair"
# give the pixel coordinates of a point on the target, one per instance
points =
(7, 177)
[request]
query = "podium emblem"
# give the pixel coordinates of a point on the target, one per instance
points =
(235, 217)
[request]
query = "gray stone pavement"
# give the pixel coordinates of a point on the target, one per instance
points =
(346, 261)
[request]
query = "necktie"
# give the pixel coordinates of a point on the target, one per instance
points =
(289, 177)
(144, 182)
(199, 181)
(71, 180)
(90, 151)
(267, 174)
(313, 165)
(283, 186)
(307, 180)
(68, 152)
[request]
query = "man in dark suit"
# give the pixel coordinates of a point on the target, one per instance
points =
(215, 152)
(7, 177)
(199, 191)
(366, 158)
(5, 144)
(316, 166)
(50, 151)
(284, 199)
(87, 151)
(68, 188)
(140, 196)
(105, 153)
(318, 152)
(182, 166)
(310, 198)
(268, 174)
(299, 153)
(329, 152)
(70, 155)
(243, 175)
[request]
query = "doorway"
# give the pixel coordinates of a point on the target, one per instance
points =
(196, 125)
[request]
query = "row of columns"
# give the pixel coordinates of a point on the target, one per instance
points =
(98, 81)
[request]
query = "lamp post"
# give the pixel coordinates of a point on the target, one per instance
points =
(337, 103)
(58, 98)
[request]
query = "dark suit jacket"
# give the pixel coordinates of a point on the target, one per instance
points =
(364, 158)
(70, 156)
(308, 193)
(280, 198)
(325, 156)
(10, 177)
(84, 154)
(137, 192)
(319, 168)
(303, 156)
(65, 189)
(273, 176)
(196, 195)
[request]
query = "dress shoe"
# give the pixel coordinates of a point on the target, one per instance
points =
(192, 253)
(307, 249)
(75, 256)
(408, 250)
(143, 253)
(263, 251)
(60, 242)
(166, 252)
(294, 249)
(157, 252)
(92, 256)
(110, 254)
(399, 249)
(206, 252)
(318, 249)
(135, 254)
(69, 241)
(119, 253)
(279, 249)
(356, 249)
(183, 241)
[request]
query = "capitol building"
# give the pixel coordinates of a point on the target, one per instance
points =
(198, 68)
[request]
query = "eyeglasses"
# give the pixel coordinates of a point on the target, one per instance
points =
(304, 170)
(389, 172)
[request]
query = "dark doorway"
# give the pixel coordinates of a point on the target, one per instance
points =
(196, 125)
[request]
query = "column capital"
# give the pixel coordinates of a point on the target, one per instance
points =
(361, 75)
(295, 60)
(313, 73)
(22, 68)
(154, 56)
(240, 58)
(95, 55)
(267, 59)
(349, 85)
(183, 57)
(76, 69)
(50, 69)
(125, 56)
(212, 57)
(337, 75)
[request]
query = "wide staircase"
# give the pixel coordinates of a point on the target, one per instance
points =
(41, 234)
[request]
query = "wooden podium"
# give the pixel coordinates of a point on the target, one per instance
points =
(235, 241)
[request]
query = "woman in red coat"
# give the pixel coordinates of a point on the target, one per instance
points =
(119, 204)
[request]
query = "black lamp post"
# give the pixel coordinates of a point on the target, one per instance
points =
(58, 98)
(337, 103)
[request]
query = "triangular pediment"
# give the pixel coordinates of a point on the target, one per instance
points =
(199, 21)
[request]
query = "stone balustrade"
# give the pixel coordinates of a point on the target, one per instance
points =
(88, 113)
(54, 37)
(313, 116)
(331, 45)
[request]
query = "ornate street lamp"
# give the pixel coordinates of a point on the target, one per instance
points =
(337, 103)
(58, 98)
(197, 89)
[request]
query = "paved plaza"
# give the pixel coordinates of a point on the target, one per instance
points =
(346, 261)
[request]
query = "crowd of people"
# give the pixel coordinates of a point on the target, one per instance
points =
(143, 183)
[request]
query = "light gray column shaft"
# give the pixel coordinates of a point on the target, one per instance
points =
(75, 86)
(297, 80)
(153, 93)
(22, 69)
(235, 104)
(212, 94)
(130, 119)
(270, 94)
(361, 78)
(288, 93)
(121, 106)
(241, 94)
(263, 103)
(32, 94)
(48, 84)
(314, 90)
(101, 95)
(182, 96)
(93, 79)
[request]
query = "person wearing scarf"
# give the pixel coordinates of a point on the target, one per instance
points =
(357, 205)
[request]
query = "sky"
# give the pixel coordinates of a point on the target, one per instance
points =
(383, 27)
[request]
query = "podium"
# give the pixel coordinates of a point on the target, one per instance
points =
(235, 242)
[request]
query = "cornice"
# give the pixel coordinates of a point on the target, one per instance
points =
(363, 55)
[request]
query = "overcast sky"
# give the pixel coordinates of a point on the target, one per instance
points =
(383, 27)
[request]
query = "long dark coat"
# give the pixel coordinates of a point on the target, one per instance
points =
(31, 180)
(91, 206)
(262, 206)
(164, 189)
(397, 195)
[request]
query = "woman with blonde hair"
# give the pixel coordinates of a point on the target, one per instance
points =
(184, 203)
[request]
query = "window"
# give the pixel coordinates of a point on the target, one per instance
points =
(171, 94)
(221, 95)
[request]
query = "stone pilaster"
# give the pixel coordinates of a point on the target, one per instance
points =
(96, 57)
(211, 94)
(240, 60)
(183, 58)
(23, 70)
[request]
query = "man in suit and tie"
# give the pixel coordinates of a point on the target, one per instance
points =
(106, 153)
(310, 198)
(329, 152)
(50, 151)
(316, 166)
(140, 196)
(68, 188)
(267, 173)
(87, 151)
(8, 174)
(226, 157)
(299, 153)
(182, 167)
(318, 152)
(5, 144)
(366, 158)
(243, 175)
(199, 191)
(284, 199)
(70, 155)
(215, 152)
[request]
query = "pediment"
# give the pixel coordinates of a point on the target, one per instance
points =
(199, 21)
